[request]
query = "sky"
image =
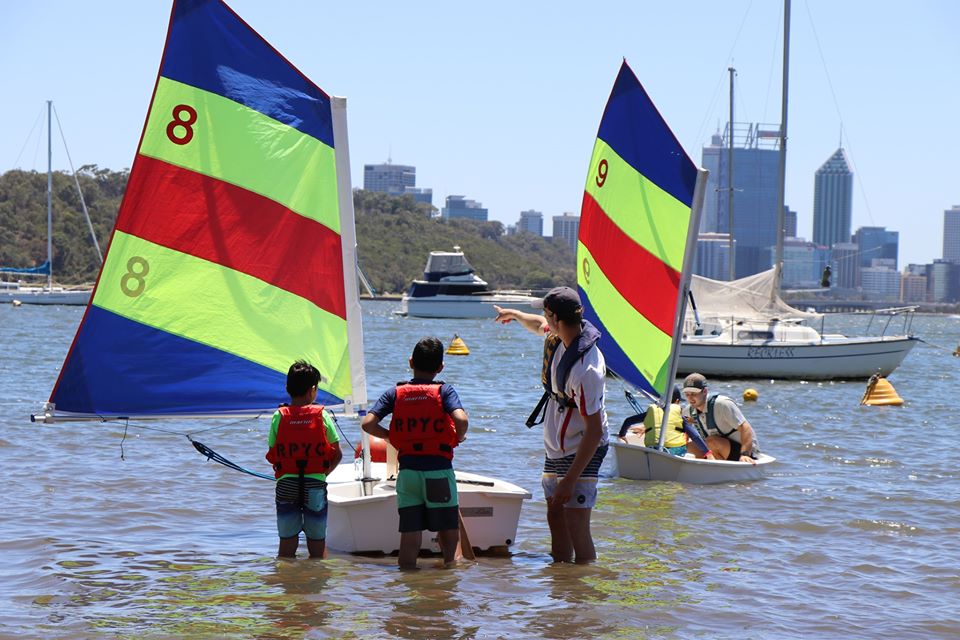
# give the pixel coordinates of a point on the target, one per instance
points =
(500, 101)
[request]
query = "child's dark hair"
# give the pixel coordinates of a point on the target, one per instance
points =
(428, 355)
(301, 377)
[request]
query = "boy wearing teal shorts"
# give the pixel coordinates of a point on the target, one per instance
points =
(303, 449)
(428, 422)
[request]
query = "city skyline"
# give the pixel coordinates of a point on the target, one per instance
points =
(513, 125)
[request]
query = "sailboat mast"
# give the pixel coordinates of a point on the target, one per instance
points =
(733, 270)
(781, 189)
(49, 197)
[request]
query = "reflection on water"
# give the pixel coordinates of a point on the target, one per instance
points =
(853, 534)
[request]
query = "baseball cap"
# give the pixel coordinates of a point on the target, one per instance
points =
(561, 300)
(694, 383)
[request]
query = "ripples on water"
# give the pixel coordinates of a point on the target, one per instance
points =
(854, 534)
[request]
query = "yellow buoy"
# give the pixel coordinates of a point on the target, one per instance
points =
(880, 393)
(750, 395)
(457, 347)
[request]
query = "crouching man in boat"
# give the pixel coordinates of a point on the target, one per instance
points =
(428, 422)
(574, 419)
(727, 433)
(303, 449)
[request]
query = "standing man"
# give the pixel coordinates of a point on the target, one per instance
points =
(574, 421)
(718, 418)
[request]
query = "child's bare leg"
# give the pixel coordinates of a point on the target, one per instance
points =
(448, 539)
(409, 549)
(288, 547)
(317, 548)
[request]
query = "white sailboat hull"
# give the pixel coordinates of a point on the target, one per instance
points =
(829, 359)
(636, 462)
(360, 523)
(38, 295)
(472, 306)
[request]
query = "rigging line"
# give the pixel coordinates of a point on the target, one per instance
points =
(123, 439)
(76, 181)
(29, 136)
(36, 151)
(836, 105)
(773, 66)
(216, 457)
(343, 433)
(723, 73)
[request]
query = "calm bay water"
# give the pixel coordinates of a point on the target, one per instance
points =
(123, 533)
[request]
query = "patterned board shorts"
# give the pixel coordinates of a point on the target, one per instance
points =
(309, 517)
(585, 490)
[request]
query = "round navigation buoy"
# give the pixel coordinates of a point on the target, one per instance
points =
(378, 450)
(457, 347)
(750, 395)
(881, 393)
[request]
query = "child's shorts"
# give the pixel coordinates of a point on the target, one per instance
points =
(310, 517)
(585, 489)
(427, 500)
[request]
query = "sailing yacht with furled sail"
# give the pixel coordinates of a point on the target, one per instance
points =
(643, 199)
(233, 255)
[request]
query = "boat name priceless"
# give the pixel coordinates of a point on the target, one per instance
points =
(770, 352)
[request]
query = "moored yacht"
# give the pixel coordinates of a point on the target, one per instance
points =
(450, 288)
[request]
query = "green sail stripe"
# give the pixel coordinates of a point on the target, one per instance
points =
(222, 308)
(641, 209)
(242, 146)
(640, 340)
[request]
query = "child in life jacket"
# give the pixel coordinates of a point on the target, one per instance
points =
(303, 449)
(428, 422)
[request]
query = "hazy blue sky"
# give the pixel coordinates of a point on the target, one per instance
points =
(500, 101)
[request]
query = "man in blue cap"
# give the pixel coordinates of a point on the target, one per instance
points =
(574, 419)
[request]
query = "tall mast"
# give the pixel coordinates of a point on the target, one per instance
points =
(781, 189)
(49, 198)
(733, 270)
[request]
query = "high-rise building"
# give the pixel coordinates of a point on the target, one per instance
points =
(803, 263)
(567, 227)
(460, 207)
(913, 284)
(876, 243)
(531, 221)
(789, 222)
(389, 178)
(951, 234)
(419, 194)
(712, 258)
(943, 281)
(880, 283)
(756, 152)
(846, 266)
(833, 200)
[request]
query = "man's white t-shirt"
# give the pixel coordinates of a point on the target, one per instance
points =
(563, 429)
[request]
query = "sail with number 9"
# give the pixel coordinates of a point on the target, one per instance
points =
(638, 230)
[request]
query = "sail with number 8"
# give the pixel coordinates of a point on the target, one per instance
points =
(234, 250)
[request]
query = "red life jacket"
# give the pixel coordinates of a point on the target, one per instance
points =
(420, 426)
(301, 446)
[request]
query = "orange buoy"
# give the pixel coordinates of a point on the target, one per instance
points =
(880, 393)
(378, 450)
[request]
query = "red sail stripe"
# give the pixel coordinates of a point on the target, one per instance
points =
(654, 295)
(238, 229)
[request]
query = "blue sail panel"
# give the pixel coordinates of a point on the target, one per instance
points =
(120, 367)
(210, 47)
(634, 128)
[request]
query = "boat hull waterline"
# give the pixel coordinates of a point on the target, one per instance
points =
(636, 462)
(831, 359)
(35, 295)
(447, 306)
(359, 523)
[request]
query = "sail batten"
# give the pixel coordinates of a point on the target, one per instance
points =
(635, 237)
(233, 252)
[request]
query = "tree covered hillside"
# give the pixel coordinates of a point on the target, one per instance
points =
(394, 234)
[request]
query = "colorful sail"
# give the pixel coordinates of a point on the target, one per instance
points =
(636, 225)
(233, 253)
